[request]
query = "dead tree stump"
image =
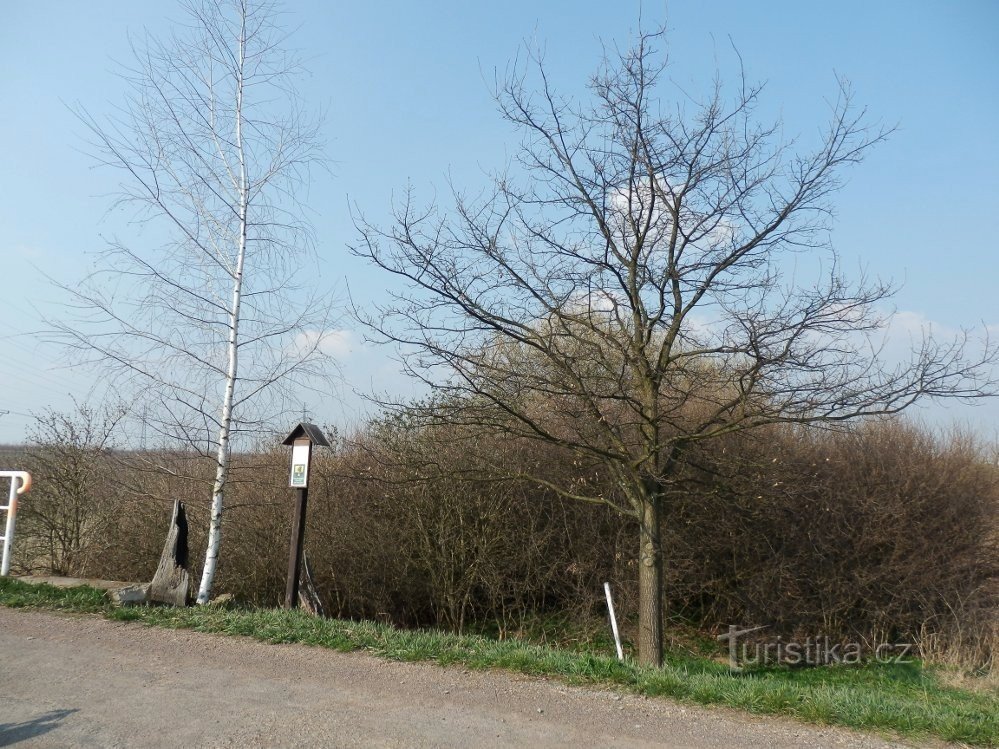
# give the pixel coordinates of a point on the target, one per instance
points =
(171, 582)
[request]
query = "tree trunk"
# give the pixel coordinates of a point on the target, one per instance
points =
(650, 584)
(232, 348)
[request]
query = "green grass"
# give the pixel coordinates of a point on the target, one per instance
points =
(905, 698)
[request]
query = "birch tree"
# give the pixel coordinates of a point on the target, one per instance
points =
(202, 315)
(656, 272)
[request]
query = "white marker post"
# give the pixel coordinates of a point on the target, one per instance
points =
(301, 439)
(8, 535)
(610, 610)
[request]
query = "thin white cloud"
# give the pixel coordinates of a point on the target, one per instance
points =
(339, 343)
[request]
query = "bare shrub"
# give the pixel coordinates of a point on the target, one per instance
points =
(432, 537)
(63, 525)
(880, 532)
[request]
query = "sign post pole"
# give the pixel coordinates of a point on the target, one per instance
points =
(301, 439)
(297, 543)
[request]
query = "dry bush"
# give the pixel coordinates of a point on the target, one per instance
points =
(64, 524)
(415, 530)
(879, 532)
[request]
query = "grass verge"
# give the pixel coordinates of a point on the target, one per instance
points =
(905, 698)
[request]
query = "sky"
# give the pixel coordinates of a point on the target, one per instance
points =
(406, 88)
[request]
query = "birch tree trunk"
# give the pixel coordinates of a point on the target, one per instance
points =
(232, 370)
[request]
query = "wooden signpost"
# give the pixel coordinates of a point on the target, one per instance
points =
(301, 439)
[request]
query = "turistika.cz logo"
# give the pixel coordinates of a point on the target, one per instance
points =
(746, 652)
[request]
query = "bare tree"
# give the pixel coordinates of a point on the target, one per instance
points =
(661, 276)
(208, 325)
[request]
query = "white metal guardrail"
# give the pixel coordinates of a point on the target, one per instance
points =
(24, 479)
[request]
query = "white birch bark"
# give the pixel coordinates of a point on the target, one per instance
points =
(232, 370)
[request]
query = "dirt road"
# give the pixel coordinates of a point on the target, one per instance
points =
(82, 681)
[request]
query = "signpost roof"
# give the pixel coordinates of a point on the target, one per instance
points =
(310, 432)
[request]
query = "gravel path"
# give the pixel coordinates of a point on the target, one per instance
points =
(85, 681)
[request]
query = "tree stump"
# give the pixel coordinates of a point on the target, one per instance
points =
(171, 582)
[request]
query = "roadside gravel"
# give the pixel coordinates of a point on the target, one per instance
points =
(89, 682)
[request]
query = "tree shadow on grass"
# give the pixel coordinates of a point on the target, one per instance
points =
(12, 733)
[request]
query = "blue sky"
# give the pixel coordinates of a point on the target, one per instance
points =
(406, 86)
